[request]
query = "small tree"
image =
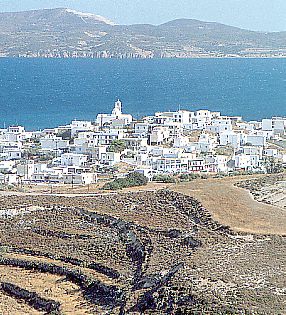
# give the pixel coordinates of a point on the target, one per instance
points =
(273, 167)
(117, 146)
(136, 179)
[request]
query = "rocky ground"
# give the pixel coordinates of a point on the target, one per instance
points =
(155, 252)
(269, 189)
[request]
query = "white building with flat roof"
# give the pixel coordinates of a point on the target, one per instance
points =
(72, 159)
(276, 124)
(52, 142)
(81, 126)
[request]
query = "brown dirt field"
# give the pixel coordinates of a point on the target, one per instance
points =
(221, 272)
(47, 286)
(9, 306)
(88, 272)
(235, 207)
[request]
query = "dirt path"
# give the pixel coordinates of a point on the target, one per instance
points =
(235, 206)
(79, 191)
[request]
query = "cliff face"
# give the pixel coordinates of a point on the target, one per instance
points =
(67, 33)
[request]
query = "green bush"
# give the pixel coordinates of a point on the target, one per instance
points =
(188, 177)
(136, 179)
(131, 180)
(115, 185)
(164, 179)
(117, 146)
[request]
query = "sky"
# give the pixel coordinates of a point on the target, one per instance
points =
(260, 15)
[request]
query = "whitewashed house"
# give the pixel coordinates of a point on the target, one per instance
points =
(135, 143)
(159, 135)
(256, 140)
(26, 170)
(146, 171)
(270, 152)
(252, 150)
(201, 118)
(275, 124)
(219, 125)
(110, 158)
(9, 179)
(15, 133)
(217, 163)
(107, 137)
(206, 143)
(247, 162)
(197, 165)
(10, 153)
(246, 126)
(181, 141)
(141, 129)
(7, 166)
(72, 159)
(52, 142)
(232, 138)
(79, 179)
(81, 126)
(171, 165)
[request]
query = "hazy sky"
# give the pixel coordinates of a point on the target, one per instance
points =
(264, 15)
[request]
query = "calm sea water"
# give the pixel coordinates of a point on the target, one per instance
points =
(39, 93)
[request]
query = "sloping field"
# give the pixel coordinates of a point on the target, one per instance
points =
(236, 207)
(148, 252)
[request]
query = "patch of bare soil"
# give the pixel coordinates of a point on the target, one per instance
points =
(47, 286)
(9, 306)
(235, 207)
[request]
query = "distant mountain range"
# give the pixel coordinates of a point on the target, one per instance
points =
(63, 33)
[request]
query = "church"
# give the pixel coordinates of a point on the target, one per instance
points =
(116, 115)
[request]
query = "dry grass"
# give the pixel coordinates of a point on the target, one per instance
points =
(47, 286)
(235, 207)
(9, 306)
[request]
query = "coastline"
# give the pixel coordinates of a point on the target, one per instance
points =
(142, 58)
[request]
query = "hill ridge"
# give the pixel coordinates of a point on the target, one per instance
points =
(68, 33)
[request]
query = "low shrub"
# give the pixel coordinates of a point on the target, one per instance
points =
(188, 177)
(131, 180)
(204, 176)
(164, 179)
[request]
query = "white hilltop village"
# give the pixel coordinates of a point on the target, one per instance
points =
(167, 143)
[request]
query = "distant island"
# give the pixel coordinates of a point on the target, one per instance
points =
(65, 33)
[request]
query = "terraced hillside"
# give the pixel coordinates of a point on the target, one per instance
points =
(134, 253)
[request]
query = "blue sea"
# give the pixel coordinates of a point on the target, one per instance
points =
(39, 93)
